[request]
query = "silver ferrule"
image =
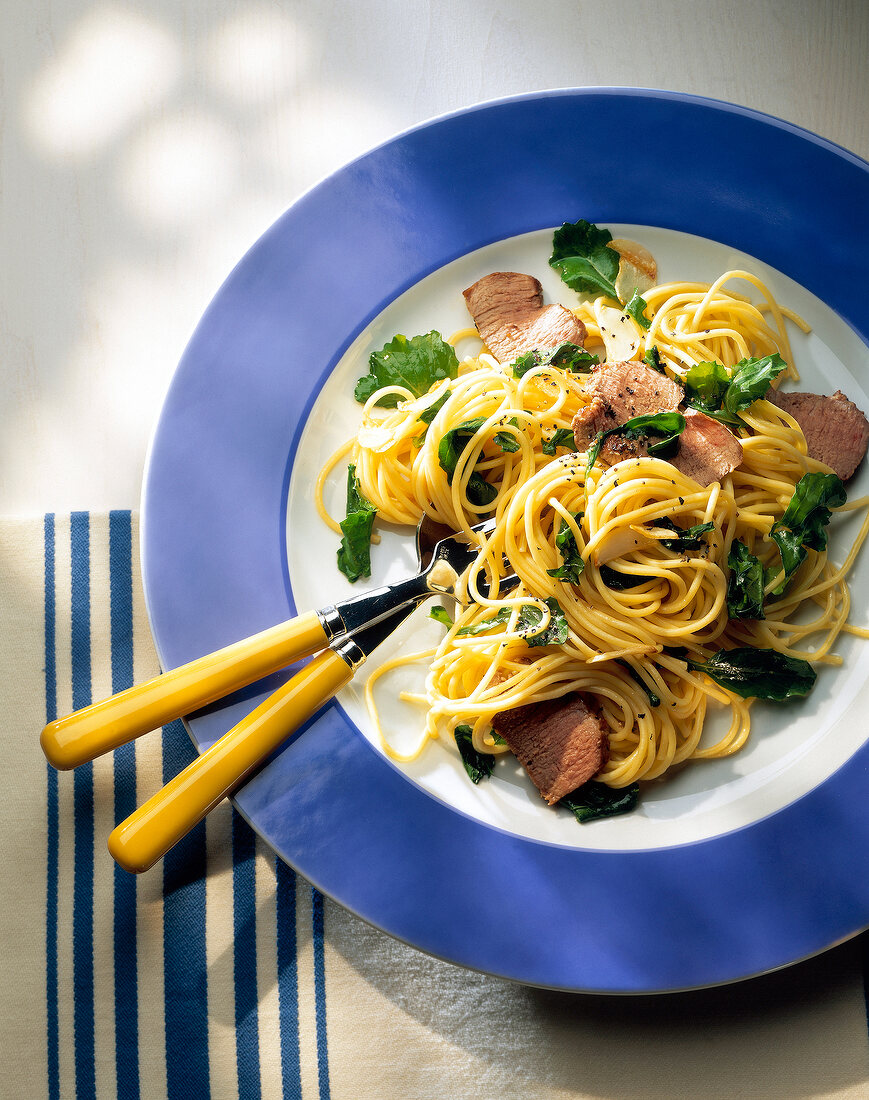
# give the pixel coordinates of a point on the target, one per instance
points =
(332, 622)
(371, 607)
(350, 653)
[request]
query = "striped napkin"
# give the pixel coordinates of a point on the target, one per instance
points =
(222, 973)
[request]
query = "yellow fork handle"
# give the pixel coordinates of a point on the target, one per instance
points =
(171, 813)
(104, 726)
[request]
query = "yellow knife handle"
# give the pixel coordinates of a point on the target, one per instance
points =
(104, 726)
(171, 813)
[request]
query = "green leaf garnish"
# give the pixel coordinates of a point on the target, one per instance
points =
(572, 564)
(804, 521)
(563, 437)
(621, 582)
(530, 618)
(758, 673)
(441, 615)
(652, 359)
(636, 308)
(430, 412)
(415, 363)
(668, 425)
(566, 356)
(427, 416)
(706, 385)
(581, 256)
(478, 765)
(573, 357)
(450, 449)
(595, 800)
(688, 538)
(501, 616)
(354, 553)
(506, 440)
(724, 394)
(750, 380)
(745, 583)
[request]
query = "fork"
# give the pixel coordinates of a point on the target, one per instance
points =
(353, 629)
(110, 723)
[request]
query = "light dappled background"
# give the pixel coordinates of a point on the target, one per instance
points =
(145, 146)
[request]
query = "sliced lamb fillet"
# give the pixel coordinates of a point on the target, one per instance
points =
(633, 389)
(596, 417)
(509, 313)
(619, 392)
(600, 417)
(836, 431)
(559, 742)
(708, 450)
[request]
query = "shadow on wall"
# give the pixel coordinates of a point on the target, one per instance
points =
(147, 146)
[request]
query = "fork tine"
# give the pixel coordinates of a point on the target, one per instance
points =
(485, 527)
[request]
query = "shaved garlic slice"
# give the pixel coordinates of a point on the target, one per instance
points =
(375, 439)
(638, 269)
(620, 542)
(659, 533)
(620, 335)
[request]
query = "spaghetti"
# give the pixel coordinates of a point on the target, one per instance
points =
(603, 551)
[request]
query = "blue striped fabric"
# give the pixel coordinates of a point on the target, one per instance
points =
(224, 974)
(51, 876)
(125, 938)
(320, 993)
(184, 955)
(245, 961)
(288, 982)
(190, 1008)
(83, 907)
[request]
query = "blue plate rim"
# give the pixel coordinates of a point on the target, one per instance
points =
(186, 573)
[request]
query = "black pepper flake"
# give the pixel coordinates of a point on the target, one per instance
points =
(641, 716)
(681, 499)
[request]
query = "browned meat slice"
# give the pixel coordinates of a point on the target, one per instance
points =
(596, 417)
(619, 392)
(836, 431)
(559, 742)
(509, 313)
(599, 417)
(633, 389)
(708, 450)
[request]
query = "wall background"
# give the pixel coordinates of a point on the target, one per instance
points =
(145, 147)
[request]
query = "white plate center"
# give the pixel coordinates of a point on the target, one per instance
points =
(792, 747)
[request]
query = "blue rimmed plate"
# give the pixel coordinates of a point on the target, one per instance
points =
(725, 875)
